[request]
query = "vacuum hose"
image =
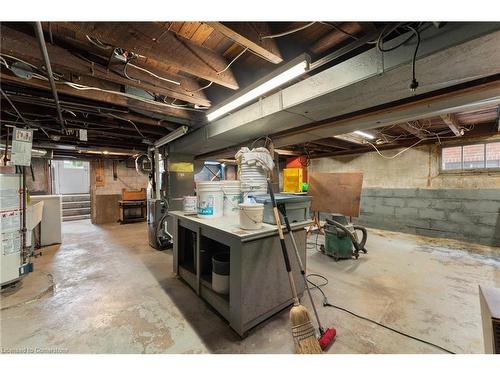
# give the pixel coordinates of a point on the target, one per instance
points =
(359, 246)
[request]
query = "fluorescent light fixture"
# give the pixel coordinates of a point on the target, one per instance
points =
(364, 135)
(287, 72)
(177, 133)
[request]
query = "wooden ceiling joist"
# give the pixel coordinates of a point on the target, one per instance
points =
(410, 128)
(451, 120)
(330, 143)
(22, 46)
(248, 35)
(335, 37)
(105, 97)
(155, 44)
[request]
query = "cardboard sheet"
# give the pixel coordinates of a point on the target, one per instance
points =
(336, 192)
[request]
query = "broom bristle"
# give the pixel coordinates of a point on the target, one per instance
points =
(303, 331)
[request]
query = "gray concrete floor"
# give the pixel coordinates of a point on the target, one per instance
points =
(115, 294)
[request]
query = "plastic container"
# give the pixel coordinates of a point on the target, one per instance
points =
(210, 199)
(297, 207)
(190, 205)
(251, 215)
(220, 273)
(232, 197)
(253, 179)
(292, 180)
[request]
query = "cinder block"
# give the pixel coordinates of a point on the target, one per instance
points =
(446, 226)
(378, 192)
(461, 217)
(482, 206)
(395, 202)
(430, 193)
(446, 204)
(367, 209)
(418, 202)
(489, 219)
(404, 193)
(384, 210)
(430, 213)
(406, 212)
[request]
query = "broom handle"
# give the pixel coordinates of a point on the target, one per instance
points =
(283, 244)
(301, 266)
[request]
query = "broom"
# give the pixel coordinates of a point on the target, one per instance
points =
(302, 328)
(326, 336)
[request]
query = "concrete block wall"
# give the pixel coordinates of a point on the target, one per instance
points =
(127, 178)
(464, 214)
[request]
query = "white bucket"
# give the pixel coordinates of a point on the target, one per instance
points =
(190, 205)
(251, 215)
(253, 179)
(232, 197)
(210, 199)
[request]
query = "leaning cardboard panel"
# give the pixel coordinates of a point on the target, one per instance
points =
(336, 192)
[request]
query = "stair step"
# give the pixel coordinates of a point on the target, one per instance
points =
(76, 211)
(75, 197)
(76, 217)
(77, 204)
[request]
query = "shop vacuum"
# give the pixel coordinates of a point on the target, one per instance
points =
(341, 238)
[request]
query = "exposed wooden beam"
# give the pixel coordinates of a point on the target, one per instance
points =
(410, 128)
(156, 45)
(248, 34)
(335, 37)
(451, 120)
(106, 97)
(351, 138)
(23, 46)
(333, 142)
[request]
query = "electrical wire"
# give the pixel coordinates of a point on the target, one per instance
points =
(328, 304)
(127, 76)
(287, 32)
(153, 74)
(399, 153)
(98, 43)
(201, 88)
(414, 82)
(340, 30)
(232, 61)
(129, 121)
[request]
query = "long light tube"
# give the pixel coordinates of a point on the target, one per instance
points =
(363, 134)
(179, 132)
(267, 86)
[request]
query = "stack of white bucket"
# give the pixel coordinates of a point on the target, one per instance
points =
(254, 166)
(231, 197)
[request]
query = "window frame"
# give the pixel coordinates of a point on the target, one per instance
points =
(462, 170)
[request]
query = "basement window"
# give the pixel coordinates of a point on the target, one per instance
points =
(485, 155)
(73, 164)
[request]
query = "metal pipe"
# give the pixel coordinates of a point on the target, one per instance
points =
(45, 54)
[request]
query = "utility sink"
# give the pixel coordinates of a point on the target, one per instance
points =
(33, 215)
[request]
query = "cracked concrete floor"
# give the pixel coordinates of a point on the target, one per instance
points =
(115, 294)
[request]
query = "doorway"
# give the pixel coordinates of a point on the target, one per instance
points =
(71, 179)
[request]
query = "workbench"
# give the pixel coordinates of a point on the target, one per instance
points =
(258, 283)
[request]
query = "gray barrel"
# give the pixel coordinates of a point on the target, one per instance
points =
(220, 264)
